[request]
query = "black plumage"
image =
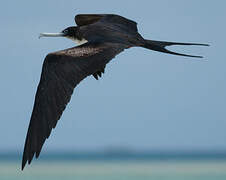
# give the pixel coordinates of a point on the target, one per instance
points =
(106, 35)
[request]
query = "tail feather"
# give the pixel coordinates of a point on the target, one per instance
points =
(161, 47)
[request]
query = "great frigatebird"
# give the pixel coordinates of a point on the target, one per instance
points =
(101, 38)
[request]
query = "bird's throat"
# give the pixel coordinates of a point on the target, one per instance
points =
(79, 41)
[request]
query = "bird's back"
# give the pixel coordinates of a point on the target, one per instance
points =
(108, 27)
(87, 19)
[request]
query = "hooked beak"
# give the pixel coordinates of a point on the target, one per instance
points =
(51, 34)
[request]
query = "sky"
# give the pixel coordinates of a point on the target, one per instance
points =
(146, 100)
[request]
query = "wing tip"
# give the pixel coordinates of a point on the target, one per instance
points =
(22, 167)
(25, 159)
(24, 162)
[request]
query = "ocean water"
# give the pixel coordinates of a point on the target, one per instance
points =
(115, 170)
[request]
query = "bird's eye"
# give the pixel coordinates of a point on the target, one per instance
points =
(65, 31)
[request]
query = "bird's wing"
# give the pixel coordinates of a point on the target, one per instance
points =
(61, 72)
(87, 19)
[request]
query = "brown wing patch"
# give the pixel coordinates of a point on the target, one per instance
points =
(81, 51)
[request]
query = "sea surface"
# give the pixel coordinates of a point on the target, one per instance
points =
(115, 170)
(116, 167)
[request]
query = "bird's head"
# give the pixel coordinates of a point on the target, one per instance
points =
(70, 32)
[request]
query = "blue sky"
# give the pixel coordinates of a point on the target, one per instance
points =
(146, 100)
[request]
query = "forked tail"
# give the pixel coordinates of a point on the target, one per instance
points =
(161, 46)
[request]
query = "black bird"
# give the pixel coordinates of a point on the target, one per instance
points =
(101, 38)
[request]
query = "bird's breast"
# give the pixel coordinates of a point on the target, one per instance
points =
(80, 42)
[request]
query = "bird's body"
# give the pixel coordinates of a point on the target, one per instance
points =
(101, 38)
